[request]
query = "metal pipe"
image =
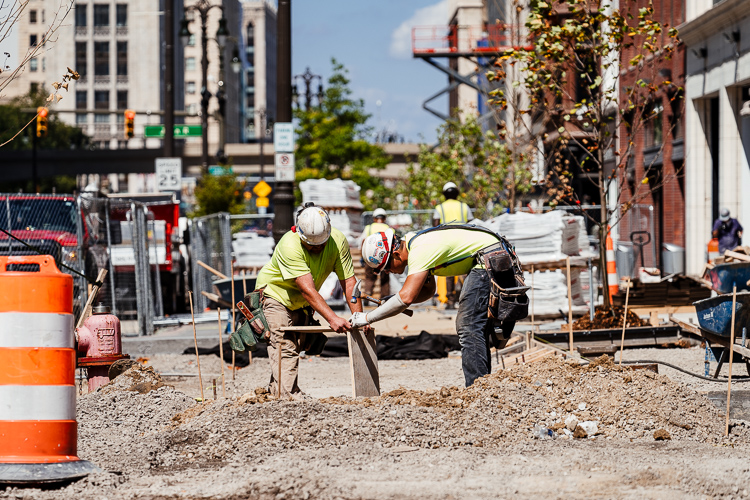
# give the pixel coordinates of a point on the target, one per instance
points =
(283, 198)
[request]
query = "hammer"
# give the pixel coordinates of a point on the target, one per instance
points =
(357, 294)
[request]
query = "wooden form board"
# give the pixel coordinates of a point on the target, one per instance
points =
(363, 359)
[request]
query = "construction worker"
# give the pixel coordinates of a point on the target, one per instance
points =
(301, 262)
(448, 250)
(451, 211)
(378, 224)
(727, 230)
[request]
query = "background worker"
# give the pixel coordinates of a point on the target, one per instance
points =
(444, 251)
(727, 230)
(301, 262)
(451, 211)
(378, 224)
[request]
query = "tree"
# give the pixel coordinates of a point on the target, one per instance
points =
(332, 142)
(572, 72)
(478, 162)
(218, 193)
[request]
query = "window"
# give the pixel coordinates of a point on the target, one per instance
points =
(80, 15)
(251, 78)
(190, 64)
(44, 64)
(190, 87)
(101, 99)
(250, 35)
(32, 16)
(33, 64)
(191, 40)
(122, 58)
(101, 58)
(101, 118)
(32, 40)
(34, 88)
(122, 99)
(81, 119)
(81, 58)
(81, 99)
(101, 16)
(121, 15)
(192, 109)
(655, 127)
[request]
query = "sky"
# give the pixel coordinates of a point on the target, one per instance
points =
(373, 41)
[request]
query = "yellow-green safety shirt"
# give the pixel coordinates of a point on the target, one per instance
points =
(375, 227)
(452, 211)
(429, 251)
(291, 260)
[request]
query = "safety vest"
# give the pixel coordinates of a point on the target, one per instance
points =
(453, 211)
(375, 227)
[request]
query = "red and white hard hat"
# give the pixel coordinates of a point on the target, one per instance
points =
(377, 249)
(313, 225)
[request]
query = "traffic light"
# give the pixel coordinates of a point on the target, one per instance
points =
(41, 121)
(129, 123)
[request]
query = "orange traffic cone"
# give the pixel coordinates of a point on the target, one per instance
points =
(713, 250)
(611, 266)
(38, 428)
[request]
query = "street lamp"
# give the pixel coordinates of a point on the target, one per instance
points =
(307, 78)
(202, 7)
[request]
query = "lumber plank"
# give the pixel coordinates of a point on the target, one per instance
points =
(211, 269)
(363, 361)
(217, 299)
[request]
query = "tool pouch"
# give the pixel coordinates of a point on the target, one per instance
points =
(242, 338)
(507, 300)
(255, 328)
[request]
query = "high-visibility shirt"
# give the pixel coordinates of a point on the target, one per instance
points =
(375, 227)
(447, 252)
(452, 211)
(291, 260)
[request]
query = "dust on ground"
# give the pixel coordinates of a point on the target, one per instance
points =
(607, 318)
(510, 435)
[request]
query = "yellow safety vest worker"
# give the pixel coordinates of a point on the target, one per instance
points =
(453, 211)
(375, 227)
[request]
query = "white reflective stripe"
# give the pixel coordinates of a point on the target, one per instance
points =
(37, 402)
(36, 330)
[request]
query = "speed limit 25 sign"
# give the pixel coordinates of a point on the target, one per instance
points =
(168, 174)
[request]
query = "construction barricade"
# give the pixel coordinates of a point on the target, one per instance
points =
(38, 428)
(612, 279)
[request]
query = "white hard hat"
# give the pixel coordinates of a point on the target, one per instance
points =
(377, 249)
(378, 212)
(313, 225)
(450, 185)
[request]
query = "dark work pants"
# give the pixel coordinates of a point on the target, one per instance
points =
(474, 327)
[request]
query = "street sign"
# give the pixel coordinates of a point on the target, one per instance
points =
(169, 174)
(219, 170)
(262, 189)
(284, 167)
(180, 131)
(283, 137)
(261, 201)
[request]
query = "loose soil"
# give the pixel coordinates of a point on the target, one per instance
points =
(605, 318)
(511, 435)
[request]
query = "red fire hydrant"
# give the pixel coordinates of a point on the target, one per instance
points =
(100, 342)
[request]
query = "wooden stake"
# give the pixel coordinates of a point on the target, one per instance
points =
(234, 319)
(211, 269)
(532, 298)
(570, 306)
(731, 357)
(213, 383)
(244, 294)
(625, 318)
(221, 357)
(195, 340)
(86, 312)
(278, 381)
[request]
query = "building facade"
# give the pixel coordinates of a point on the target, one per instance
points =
(717, 119)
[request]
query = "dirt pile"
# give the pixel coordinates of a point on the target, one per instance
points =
(138, 378)
(605, 318)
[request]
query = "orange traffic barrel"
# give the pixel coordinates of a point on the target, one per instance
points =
(614, 286)
(713, 250)
(38, 428)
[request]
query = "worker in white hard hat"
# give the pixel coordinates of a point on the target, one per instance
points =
(448, 212)
(301, 262)
(449, 250)
(378, 224)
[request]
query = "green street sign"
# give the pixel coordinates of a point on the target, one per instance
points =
(219, 170)
(180, 131)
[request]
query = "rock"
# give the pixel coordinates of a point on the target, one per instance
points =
(661, 435)
(571, 423)
(591, 427)
(582, 407)
(580, 433)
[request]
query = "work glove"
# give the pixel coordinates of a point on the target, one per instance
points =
(358, 319)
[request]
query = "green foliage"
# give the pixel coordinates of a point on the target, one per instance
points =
(331, 142)
(59, 134)
(218, 193)
(477, 162)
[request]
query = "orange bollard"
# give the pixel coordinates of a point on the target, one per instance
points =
(611, 266)
(38, 428)
(713, 250)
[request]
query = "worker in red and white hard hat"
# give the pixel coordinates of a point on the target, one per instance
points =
(445, 250)
(301, 262)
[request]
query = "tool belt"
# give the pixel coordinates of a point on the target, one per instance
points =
(508, 301)
(255, 327)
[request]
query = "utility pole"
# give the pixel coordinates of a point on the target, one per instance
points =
(283, 197)
(169, 78)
